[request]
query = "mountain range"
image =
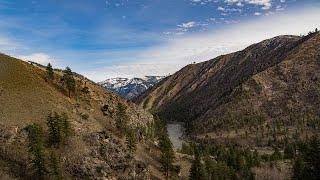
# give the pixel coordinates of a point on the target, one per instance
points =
(248, 113)
(130, 88)
(274, 81)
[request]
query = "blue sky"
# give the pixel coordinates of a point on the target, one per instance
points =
(103, 39)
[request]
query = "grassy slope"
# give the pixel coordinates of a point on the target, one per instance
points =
(27, 98)
(25, 95)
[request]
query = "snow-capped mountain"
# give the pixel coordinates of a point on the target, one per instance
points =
(130, 87)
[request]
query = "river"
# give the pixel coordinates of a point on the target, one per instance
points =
(175, 131)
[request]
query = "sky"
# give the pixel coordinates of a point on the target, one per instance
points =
(134, 38)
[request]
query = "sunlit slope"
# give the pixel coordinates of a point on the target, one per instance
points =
(26, 97)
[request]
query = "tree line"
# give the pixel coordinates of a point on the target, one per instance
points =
(44, 146)
(212, 161)
(68, 80)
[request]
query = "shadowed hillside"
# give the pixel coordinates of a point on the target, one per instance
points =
(274, 80)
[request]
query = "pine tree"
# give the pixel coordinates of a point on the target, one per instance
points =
(210, 167)
(197, 171)
(289, 151)
(55, 166)
(121, 118)
(307, 164)
(59, 128)
(70, 82)
(50, 73)
(167, 155)
(298, 169)
(312, 157)
(55, 129)
(66, 126)
(276, 155)
(36, 148)
(131, 140)
(256, 158)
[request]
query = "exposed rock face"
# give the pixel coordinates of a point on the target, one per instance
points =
(107, 159)
(271, 79)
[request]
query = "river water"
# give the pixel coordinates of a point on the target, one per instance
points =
(175, 131)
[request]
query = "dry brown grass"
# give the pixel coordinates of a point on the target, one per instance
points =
(26, 97)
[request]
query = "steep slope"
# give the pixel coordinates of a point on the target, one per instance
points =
(130, 88)
(276, 79)
(97, 149)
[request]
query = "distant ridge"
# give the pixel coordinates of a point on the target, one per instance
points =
(130, 88)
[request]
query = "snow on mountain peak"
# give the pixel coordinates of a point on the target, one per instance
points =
(130, 87)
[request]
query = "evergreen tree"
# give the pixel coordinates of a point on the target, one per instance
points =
(276, 155)
(55, 129)
(312, 157)
(256, 158)
(159, 126)
(307, 164)
(70, 82)
(55, 166)
(66, 125)
(36, 148)
(167, 155)
(186, 149)
(223, 171)
(298, 169)
(131, 140)
(197, 171)
(289, 151)
(50, 73)
(59, 128)
(121, 118)
(210, 167)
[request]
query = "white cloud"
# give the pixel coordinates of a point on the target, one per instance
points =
(187, 24)
(221, 9)
(176, 53)
(229, 10)
(186, 27)
(41, 58)
(265, 3)
(202, 2)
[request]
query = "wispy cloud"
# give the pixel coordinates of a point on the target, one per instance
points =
(185, 27)
(174, 54)
(266, 4)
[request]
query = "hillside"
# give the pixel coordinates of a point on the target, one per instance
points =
(274, 83)
(97, 150)
(130, 88)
